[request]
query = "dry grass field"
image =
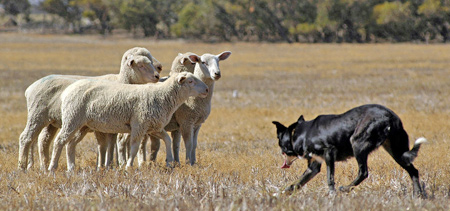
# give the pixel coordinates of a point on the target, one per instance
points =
(238, 155)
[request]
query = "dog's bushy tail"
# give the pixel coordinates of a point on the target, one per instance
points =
(409, 156)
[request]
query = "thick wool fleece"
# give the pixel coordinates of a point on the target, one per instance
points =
(44, 106)
(120, 108)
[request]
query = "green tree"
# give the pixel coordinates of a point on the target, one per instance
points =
(97, 10)
(353, 18)
(299, 17)
(435, 15)
(166, 16)
(15, 7)
(203, 19)
(135, 15)
(394, 20)
(69, 10)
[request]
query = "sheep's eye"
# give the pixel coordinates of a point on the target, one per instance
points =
(203, 62)
(191, 82)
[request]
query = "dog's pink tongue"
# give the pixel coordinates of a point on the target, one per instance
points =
(285, 165)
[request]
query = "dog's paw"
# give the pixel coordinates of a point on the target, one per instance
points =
(332, 192)
(279, 194)
(346, 189)
(286, 192)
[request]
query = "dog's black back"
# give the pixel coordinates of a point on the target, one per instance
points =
(338, 131)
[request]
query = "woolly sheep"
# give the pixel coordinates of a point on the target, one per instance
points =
(106, 142)
(182, 63)
(188, 119)
(110, 107)
(43, 103)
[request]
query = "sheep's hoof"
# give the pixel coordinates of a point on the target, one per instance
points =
(170, 164)
(21, 166)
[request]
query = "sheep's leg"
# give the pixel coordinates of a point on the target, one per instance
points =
(187, 133)
(154, 147)
(135, 140)
(122, 143)
(127, 147)
(31, 156)
(111, 143)
(44, 140)
(176, 138)
(142, 152)
(102, 146)
(27, 137)
(64, 136)
(116, 149)
(71, 145)
(194, 144)
(168, 142)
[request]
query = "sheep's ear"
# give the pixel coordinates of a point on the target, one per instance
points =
(181, 79)
(224, 55)
(194, 58)
(179, 54)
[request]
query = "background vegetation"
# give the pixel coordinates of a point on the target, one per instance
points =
(238, 155)
(241, 20)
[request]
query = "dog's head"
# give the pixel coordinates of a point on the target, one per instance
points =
(284, 135)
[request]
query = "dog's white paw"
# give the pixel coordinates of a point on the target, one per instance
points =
(278, 194)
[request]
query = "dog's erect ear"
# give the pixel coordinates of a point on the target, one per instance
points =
(279, 126)
(300, 119)
(292, 127)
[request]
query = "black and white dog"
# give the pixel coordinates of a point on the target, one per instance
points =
(355, 133)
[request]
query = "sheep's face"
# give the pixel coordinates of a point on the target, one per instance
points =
(196, 86)
(211, 63)
(157, 65)
(144, 69)
(139, 51)
(185, 62)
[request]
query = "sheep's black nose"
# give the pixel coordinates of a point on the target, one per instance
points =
(207, 90)
(157, 76)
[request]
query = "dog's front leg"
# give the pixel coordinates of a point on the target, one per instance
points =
(312, 170)
(329, 160)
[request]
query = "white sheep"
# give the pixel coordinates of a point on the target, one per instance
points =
(44, 104)
(110, 107)
(188, 119)
(106, 142)
(182, 63)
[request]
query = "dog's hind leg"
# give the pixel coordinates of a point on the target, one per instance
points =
(330, 155)
(397, 147)
(363, 173)
(312, 170)
(367, 137)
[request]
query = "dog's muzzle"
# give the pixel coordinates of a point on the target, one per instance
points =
(288, 160)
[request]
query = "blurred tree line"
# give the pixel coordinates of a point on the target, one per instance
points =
(258, 20)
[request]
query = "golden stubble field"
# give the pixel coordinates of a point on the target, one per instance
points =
(238, 156)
